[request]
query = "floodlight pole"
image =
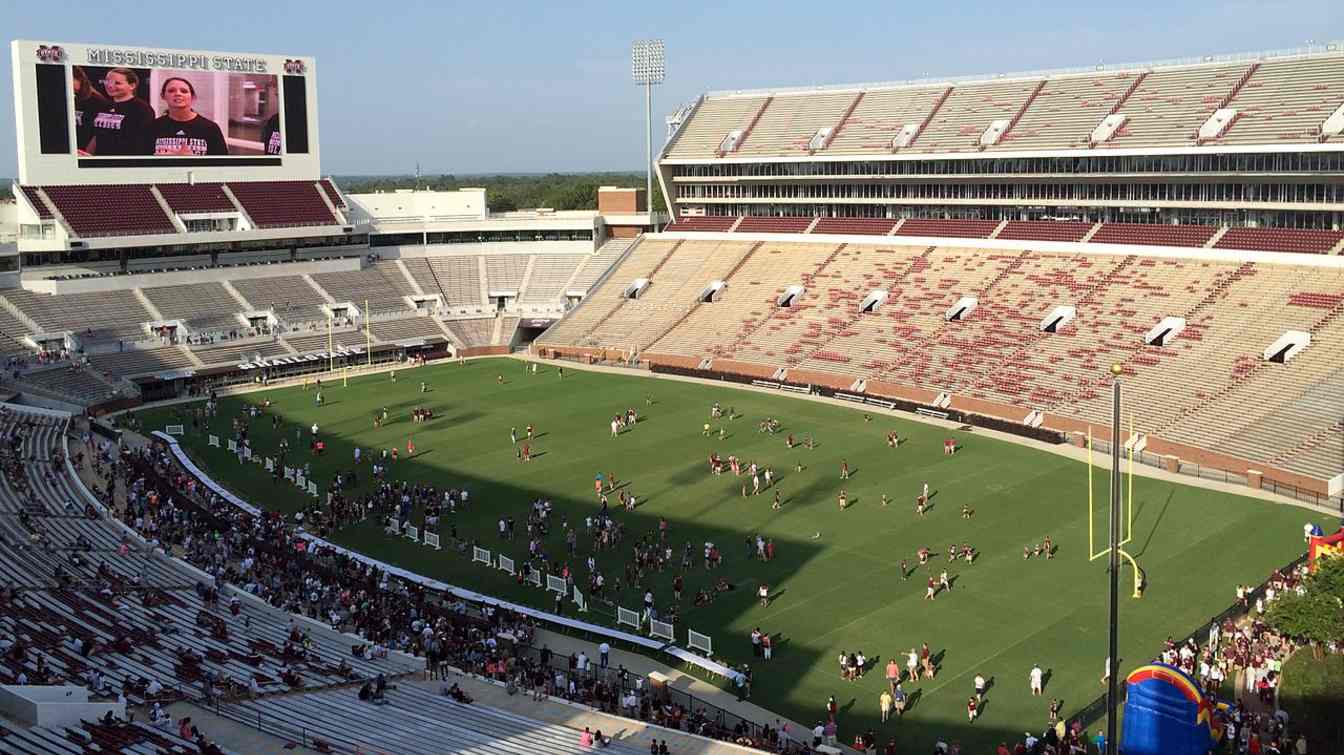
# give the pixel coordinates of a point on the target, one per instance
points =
(1113, 660)
(648, 67)
(648, 149)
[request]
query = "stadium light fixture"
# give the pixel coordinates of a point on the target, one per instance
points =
(648, 66)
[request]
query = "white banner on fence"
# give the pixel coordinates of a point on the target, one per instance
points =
(432, 540)
(701, 642)
(627, 617)
(412, 533)
(662, 630)
(270, 464)
(214, 441)
(480, 554)
(289, 473)
(556, 584)
(506, 564)
(300, 480)
(312, 488)
(534, 578)
(233, 445)
(175, 430)
(580, 601)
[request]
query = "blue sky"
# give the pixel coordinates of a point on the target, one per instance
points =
(488, 87)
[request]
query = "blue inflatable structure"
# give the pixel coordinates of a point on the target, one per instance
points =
(1167, 714)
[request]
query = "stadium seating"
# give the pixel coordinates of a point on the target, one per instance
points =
(508, 328)
(472, 333)
(102, 316)
(333, 195)
(288, 296)
(968, 111)
(966, 229)
(879, 117)
(855, 226)
(705, 131)
(39, 205)
(238, 352)
(282, 204)
(1065, 111)
(457, 279)
(504, 272)
(204, 307)
(595, 266)
(414, 721)
(1280, 240)
(789, 123)
(201, 197)
(318, 341)
(1172, 103)
(1285, 101)
(110, 210)
(766, 224)
(382, 285)
(79, 384)
(1044, 230)
(142, 361)
(405, 328)
(1153, 234)
(705, 223)
(135, 738)
(550, 273)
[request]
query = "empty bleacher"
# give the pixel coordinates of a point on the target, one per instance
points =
(880, 116)
(769, 224)
(319, 341)
(405, 328)
(1280, 240)
(289, 296)
(414, 720)
(715, 117)
(282, 204)
(471, 333)
(953, 228)
(1171, 104)
(593, 266)
(141, 361)
(132, 738)
(855, 226)
(790, 122)
(639, 263)
(200, 197)
(102, 316)
(204, 307)
(550, 273)
(504, 272)
(110, 210)
(968, 111)
(1044, 230)
(74, 382)
(381, 285)
(456, 278)
(35, 199)
(1065, 112)
(703, 223)
(1285, 101)
(1153, 234)
(235, 352)
(333, 195)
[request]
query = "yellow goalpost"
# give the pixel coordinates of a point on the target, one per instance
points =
(1127, 515)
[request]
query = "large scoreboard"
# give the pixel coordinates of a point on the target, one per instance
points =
(113, 114)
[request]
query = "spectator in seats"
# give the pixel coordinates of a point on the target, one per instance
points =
(121, 125)
(181, 131)
(586, 738)
(153, 688)
(366, 692)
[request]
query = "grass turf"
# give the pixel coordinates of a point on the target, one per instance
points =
(835, 580)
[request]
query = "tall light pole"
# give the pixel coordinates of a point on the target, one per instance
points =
(1113, 659)
(648, 66)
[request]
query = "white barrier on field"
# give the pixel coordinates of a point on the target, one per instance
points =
(247, 452)
(289, 473)
(534, 578)
(432, 540)
(627, 617)
(701, 642)
(270, 464)
(479, 554)
(214, 441)
(506, 565)
(580, 601)
(174, 430)
(233, 445)
(312, 488)
(556, 584)
(393, 528)
(662, 630)
(412, 533)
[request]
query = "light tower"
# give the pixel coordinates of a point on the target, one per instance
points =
(648, 66)
(1113, 657)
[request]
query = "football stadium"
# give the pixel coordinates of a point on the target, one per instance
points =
(982, 414)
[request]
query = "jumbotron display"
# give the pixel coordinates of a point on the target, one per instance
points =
(86, 107)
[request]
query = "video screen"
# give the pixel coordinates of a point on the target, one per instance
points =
(164, 112)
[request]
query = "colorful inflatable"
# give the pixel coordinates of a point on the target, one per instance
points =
(1327, 546)
(1166, 714)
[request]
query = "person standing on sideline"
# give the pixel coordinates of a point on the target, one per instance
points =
(603, 654)
(979, 687)
(1037, 678)
(884, 702)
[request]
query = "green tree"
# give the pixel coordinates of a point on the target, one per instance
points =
(1317, 616)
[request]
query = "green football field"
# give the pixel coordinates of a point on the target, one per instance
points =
(835, 580)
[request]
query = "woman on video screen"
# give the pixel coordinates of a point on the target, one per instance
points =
(182, 131)
(119, 125)
(88, 101)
